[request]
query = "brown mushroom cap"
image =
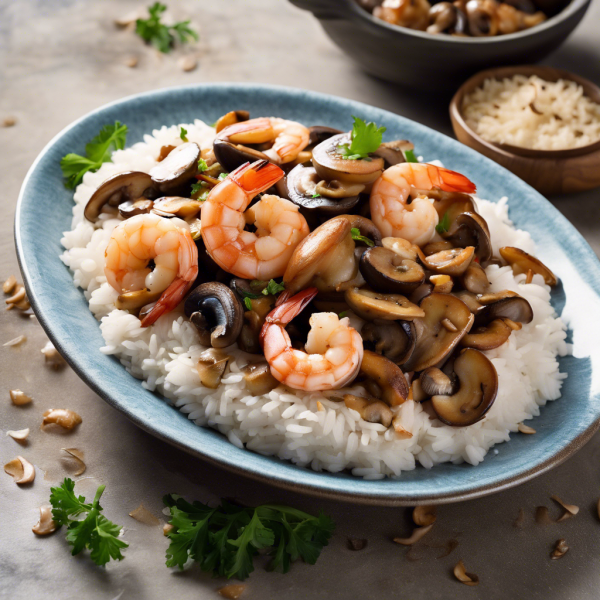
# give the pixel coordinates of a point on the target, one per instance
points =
(488, 337)
(131, 208)
(390, 307)
(176, 206)
(393, 339)
(366, 227)
(386, 271)
(258, 379)
(117, 189)
(401, 247)
(434, 340)
(449, 262)
(471, 229)
(434, 381)
(522, 262)
(178, 168)
(474, 279)
(388, 376)
(135, 300)
(503, 305)
(451, 204)
(370, 409)
(393, 152)
(478, 386)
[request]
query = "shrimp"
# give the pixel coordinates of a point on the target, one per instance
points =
(144, 238)
(263, 254)
(289, 138)
(334, 350)
(416, 221)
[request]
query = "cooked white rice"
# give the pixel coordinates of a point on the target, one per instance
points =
(530, 112)
(287, 423)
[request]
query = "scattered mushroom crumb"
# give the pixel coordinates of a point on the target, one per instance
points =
(16, 341)
(63, 417)
(52, 356)
(526, 429)
(570, 509)
(77, 456)
(560, 549)
(424, 515)
(9, 285)
(356, 544)
(19, 435)
(9, 122)
(45, 525)
(232, 591)
(461, 574)
(21, 470)
(131, 62)
(143, 515)
(520, 520)
(166, 528)
(19, 398)
(187, 63)
(542, 515)
(417, 534)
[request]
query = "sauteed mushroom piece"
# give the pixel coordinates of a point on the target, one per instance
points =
(435, 247)
(478, 386)
(231, 156)
(393, 339)
(131, 185)
(210, 366)
(135, 300)
(390, 307)
(487, 338)
(393, 152)
(370, 409)
(258, 379)
(386, 271)
(507, 304)
(442, 284)
(434, 381)
(471, 229)
(443, 18)
(435, 338)
(178, 168)
(131, 208)
(451, 204)
(254, 319)
(176, 206)
(216, 313)
(388, 377)
(449, 262)
(470, 299)
(401, 247)
(330, 164)
(522, 262)
(320, 133)
(474, 279)
(365, 226)
(482, 18)
(230, 118)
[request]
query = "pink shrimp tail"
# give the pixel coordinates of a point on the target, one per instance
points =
(256, 177)
(456, 182)
(285, 311)
(169, 299)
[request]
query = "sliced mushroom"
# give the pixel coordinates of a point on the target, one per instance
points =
(233, 116)
(258, 379)
(178, 168)
(424, 290)
(522, 262)
(128, 186)
(46, 524)
(478, 386)
(434, 340)
(393, 152)
(176, 206)
(132, 208)
(337, 189)
(471, 229)
(435, 247)
(216, 313)
(390, 307)
(386, 271)
(393, 339)
(320, 133)
(442, 284)
(366, 228)
(449, 204)
(502, 305)
(403, 248)
(449, 262)
(489, 337)
(370, 409)
(435, 382)
(469, 299)
(388, 377)
(211, 366)
(231, 155)
(474, 279)
(136, 300)
(21, 470)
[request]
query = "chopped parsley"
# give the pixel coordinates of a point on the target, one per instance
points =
(183, 134)
(95, 532)
(357, 237)
(365, 138)
(224, 540)
(444, 224)
(162, 36)
(202, 166)
(201, 188)
(248, 302)
(97, 152)
(222, 176)
(315, 195)
(409, 155)
(273, 288)
(343, 314)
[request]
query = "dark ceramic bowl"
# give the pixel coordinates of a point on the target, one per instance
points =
(420, 59)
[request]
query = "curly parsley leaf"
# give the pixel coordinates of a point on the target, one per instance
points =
(200, 190)
(273, 288)
(316, 195)
(95, 532)
(409, 155)
(202, 166)
(222, 176)
(444, 224)
(248, 302)
(365, 138)
(225, 540)
(183, 134)
(98, 151)
(343, 314)
(162, 36)
(357, 237)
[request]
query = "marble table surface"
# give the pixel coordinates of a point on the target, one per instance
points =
(61, 59)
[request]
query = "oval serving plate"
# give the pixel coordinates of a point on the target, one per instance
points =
(563, 427)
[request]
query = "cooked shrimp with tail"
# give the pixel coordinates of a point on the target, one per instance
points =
(416, 221)
(265, 253)
(144, 238)
(333, 351)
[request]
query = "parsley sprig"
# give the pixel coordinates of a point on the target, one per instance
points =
(357, 237)
(183, 134)
(444, 224)
(270, 288)
(162, 36)
(95, 532)
(97, 152)
(365, 138)
(224, 540)
(409, 155)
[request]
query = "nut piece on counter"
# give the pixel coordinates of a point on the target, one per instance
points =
(131, 62)
(19, 398)
(16, 341)
(52, 356)
(21, 470)
(232, 591)
(63, 417)
(187, 63)
(560, 549)
(9, 285)
(20, 435)
(461, 574)
(45, 525)
(9, 122)
(76, 456)
(143, 515)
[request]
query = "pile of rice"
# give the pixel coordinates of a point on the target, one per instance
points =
(530, 112)
(292, 424)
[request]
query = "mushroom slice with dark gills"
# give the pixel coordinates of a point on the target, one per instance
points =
(258, 378)
(389, 307)
(474, 279)
(330, 164)
(434, 381)
(177, 169)
(471, 229)
(176, 206)
(386, 271)
(320, 133)
(133, 301)
(487, 337)
(477, 390)
(393, 152)
(482, 17)
(123, 187)
(370, 409)
(231, 155)
(393, 339)
(131, 208)
(387, 376)
(522, 262)
(216, 313)
(449, 262)
(503, 305)
(447, 319)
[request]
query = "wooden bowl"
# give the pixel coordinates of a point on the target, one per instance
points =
(548, 171)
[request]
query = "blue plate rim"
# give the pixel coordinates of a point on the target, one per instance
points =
(316, 488)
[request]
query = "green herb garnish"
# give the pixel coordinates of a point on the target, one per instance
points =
(95, 532)
(357, 237)
(315, 195)
(222, 176)
(183, 134)
(248, 302)
(273, 288)
(198, 186)
(409, 155)
(444, 224)
(225, 540)
(365, 138)
(163, 36)
(202, 166)
(343, 314)
(98, 151)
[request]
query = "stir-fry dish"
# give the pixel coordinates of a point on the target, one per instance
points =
(476, 18)
(313, 265)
